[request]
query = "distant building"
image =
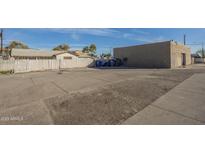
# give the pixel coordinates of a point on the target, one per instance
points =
(39, 54)
(196, 58)
(4, 53)
(167, 54)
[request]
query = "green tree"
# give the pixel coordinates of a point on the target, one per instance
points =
(201, 52)
(91, 50)
(17, 44)
(106, 55)
(86, 49)
(62, 47)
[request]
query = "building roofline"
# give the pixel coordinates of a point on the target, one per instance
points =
(170, 41)
(32, 53)
(144, 44)
(60, 52)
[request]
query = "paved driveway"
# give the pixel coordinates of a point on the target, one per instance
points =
(83, 96)
(184, 104)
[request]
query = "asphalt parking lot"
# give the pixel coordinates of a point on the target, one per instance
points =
(84, 96)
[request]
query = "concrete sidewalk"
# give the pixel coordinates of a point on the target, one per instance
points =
(184, 104)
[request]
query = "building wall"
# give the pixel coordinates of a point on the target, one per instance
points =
(68, 60)
(156, 55)
(176, 54)
(66, 56)
(76, 63)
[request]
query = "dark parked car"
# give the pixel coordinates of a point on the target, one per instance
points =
(110, 63)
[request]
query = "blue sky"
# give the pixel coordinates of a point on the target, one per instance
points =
(104, 38)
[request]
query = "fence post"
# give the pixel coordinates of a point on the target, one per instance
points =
(13, 65)
(59, 72)
(59, 64)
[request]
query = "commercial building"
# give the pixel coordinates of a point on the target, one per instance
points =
(168, 54)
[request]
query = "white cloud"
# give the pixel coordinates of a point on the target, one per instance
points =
(142, 38)
(75, 36)
(88, 31)
(140, 31)
(160, 38)
(135, 34)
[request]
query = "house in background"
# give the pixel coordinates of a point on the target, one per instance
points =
(80, 54)
(4, 53)
(27, 60)
(39, 54)
(196, 58)
(168, 54)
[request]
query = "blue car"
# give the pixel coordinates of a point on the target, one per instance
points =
(108, 63)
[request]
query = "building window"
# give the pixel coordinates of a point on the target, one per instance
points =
(67, 57)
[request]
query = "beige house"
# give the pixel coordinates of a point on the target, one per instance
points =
(167, 54)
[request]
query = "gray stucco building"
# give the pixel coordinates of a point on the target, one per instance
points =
(167, 54)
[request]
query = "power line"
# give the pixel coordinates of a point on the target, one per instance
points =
(1, 40)
(202, 46)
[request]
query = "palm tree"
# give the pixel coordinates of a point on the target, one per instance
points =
(62, 47)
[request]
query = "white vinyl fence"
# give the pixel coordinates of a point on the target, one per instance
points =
(199, 60)
(43, 64)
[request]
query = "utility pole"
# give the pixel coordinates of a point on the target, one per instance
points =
(202, 49)
(184, 39)
(1, 40)
(111, 51)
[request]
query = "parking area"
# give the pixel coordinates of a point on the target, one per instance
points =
(84, 96)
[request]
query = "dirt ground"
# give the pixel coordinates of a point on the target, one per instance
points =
(85, 96)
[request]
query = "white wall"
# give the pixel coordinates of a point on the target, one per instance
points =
(44, 64)
(6, 65)
(199, 60)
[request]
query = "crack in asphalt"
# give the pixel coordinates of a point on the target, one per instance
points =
(59, 87)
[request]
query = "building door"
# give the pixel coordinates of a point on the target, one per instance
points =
(183, 59)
